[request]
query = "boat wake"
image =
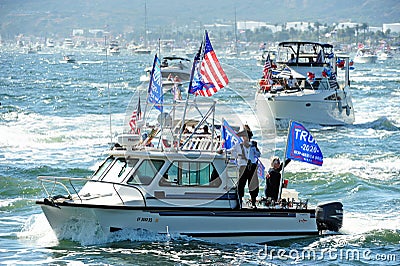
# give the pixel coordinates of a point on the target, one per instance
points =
(382, 123)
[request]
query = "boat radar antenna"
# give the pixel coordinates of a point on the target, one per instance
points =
(108, 90)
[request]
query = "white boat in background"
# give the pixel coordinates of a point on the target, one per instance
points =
(50, 43)
(68, 43)
(68, 59)
(141, 50)
(113, 48)
(317, 97)
(383, 56)
(174, 70)
(365, 55)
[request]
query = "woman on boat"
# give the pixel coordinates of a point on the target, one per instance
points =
(274, 178)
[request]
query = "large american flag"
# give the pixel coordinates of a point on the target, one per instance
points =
(211, 77)
(136, 115)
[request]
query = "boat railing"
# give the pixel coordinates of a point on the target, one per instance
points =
(202, 142)
(57, 182)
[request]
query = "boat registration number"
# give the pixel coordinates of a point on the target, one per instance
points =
(144, 219)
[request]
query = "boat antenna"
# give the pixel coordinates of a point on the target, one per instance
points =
(108, 89)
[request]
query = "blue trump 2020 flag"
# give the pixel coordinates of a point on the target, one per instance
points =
(301, 146)
(155, 93)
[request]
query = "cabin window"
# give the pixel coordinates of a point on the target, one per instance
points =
(102, 168)
(191, 174)
(145, 173)
(119, 170)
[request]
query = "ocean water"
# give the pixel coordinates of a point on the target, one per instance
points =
(55, 120)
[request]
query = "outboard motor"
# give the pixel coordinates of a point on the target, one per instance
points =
(329, 216)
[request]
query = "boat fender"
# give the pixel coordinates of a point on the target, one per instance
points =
(340, 106)
(347, 110)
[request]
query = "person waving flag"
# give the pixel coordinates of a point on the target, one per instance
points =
(208, 77)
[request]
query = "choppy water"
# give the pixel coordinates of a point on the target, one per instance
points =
(54, 119)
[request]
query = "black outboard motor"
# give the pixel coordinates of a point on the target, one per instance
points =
(329, 216)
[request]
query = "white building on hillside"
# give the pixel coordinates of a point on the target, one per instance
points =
(393, 27)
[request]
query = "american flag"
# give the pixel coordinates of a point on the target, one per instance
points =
(136, 115)
(211, 77)
(267, 67)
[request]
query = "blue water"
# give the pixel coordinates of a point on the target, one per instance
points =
(54, 120)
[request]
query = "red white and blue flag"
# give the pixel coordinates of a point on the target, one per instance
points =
(267, 67)
(209, 77)
(136, 115)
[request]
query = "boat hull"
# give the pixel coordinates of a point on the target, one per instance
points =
(367, 59)
(246, 225)
(309, 108)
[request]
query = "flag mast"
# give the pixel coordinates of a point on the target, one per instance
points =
(195, 61)
(284, 162)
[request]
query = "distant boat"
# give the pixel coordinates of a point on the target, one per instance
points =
(315, 96)
(50, 43)
(174, 69)
(68, 43)
(113, 48)
(68, 59)
(365, 55)
(141, 50)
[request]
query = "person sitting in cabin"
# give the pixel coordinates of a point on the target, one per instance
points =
(292, 59)
(274, 178)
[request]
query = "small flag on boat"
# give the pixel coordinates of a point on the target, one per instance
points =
(209, 77)
(229, 136)
(155, 92)
(301, 146)
(136, 115)
(267, 67)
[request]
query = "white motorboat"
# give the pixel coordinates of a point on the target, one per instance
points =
(68, 43)
(177, 183)
(365, 55)
(68, 59)
(174, 70)
(317, 96)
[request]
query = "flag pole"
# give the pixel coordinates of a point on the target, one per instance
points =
(195, 60)
(150, 83)
(284, 162)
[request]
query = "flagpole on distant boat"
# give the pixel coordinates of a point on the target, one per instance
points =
(284, 162)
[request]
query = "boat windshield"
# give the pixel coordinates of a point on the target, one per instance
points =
(191, 174)
(102, 168)
(119, 170)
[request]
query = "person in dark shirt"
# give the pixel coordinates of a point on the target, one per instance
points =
(274, 179)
